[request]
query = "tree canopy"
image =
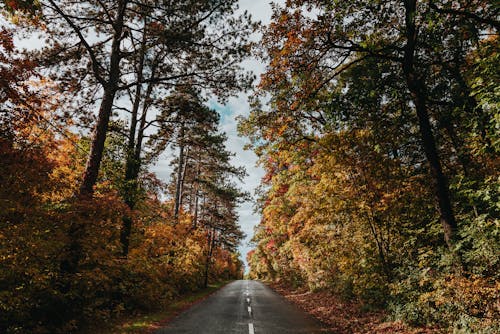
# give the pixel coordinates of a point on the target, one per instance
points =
(377, 145)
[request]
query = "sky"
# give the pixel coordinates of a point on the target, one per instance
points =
(261, 11)
(238, 106)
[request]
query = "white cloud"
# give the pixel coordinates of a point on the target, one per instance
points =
(238, 106)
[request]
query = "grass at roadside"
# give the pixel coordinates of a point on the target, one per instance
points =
(147, 323)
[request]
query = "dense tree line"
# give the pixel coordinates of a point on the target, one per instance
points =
(86, 230)
(380, 144)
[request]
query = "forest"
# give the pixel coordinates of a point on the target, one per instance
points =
(90, 99)
(378, 124)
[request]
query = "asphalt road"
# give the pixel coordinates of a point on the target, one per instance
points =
(243, 307)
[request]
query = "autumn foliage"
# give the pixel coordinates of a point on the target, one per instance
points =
(380, 145)
(61, 254)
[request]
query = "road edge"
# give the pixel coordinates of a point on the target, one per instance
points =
(148, 323)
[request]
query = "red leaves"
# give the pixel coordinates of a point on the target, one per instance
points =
(12, 4)
(21, 6)
(271, 245)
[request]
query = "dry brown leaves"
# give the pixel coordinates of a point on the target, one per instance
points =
(345, 317)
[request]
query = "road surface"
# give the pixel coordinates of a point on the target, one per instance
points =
(243, 307)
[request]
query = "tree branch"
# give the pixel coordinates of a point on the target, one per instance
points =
(95, 62)
(469, 15)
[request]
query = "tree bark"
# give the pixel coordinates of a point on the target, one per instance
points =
(179, 174)
(211, 244)
(132, 165)
(417, 89)
(110, 87)
(196, 196)
(183, 177)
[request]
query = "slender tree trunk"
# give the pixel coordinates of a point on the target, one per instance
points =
(133, 167)
(142, 125)
(183, 176)
(417, 90)
(97, 146)
(196, 196)
(211, 244)
(99, 136)
(202, 208)
(179, 174)
(77, 226)
(132, 164)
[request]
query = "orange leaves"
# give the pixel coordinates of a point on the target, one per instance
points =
(271, 245)
(13, 6)
(14, 71)
(329, 206)
(474, 296)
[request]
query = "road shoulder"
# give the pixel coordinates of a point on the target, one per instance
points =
(150, 322)
(344, 317)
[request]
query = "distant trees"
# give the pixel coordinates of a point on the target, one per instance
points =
(374, 121)
(202, 171)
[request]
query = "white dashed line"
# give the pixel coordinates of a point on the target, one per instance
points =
(251, 330)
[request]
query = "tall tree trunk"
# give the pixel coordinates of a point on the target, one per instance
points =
(99, 136)
(200, 208)
(417, 90)
(86, 190)
(179, 173)
(196, 195)
(132, 164)
(183, 176)
(211, 245)
(142, 125)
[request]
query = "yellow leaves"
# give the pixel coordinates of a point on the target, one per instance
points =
(474, 295)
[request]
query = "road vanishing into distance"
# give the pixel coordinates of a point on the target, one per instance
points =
(243, 307)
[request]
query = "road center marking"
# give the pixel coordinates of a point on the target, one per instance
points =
(250, 329)
(248, 300)
(249, 310)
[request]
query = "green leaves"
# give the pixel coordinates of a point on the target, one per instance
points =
(357, 92)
